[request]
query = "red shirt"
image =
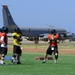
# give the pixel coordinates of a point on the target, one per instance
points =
(53, 39)
(0, 37)
(5, 37)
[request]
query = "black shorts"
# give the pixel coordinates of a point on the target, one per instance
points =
(4, 50)
(49, 51)
(17, 49)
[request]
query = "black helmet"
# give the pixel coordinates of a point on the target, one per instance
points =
(17, 30)
(4, 29)
(53, 31)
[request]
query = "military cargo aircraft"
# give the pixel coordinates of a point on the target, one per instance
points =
(27, 31)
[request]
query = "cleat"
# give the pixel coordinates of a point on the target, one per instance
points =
(43, 62)
(19, 62)
(55, 61)
(3, 64)
(14, 62)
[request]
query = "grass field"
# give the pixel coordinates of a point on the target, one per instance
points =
(30, 66)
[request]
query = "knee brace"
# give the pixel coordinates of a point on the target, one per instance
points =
(56, 56)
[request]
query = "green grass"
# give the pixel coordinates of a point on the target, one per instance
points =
(30, 66)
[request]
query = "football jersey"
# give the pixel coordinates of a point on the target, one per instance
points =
(15, 41)
(4, 39)
(53, 39)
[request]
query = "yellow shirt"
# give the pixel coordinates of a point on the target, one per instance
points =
(15, 41)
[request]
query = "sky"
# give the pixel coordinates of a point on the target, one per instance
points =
(42, 13)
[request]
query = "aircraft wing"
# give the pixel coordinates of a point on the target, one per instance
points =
(43, 35)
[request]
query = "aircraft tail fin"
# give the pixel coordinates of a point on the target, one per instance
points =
(7, 19)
